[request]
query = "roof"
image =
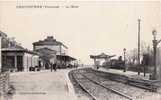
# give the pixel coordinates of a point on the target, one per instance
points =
(49, 41)
(14, 48)
(3, 34)
(67, 57)
(102, 55)
(46, 50)
(18, 49)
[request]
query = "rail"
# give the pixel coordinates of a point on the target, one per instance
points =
(98, 83)
(140, 83)
(81, 85)
(108, 88)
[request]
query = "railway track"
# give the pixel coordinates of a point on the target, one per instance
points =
(83, 88)
(150, 85)
(92, 87)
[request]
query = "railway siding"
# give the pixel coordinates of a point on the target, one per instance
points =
(129, 88)
(151, 85)
(96, 90)
(110, 89)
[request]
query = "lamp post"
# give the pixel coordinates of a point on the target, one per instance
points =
(124, 50)
(155, 43)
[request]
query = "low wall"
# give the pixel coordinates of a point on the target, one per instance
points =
(4, 83)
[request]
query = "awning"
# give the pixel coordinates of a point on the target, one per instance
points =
(100, 56)
(65, 58)
(18, 49)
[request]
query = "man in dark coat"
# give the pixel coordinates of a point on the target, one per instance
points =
(54, 67)
(51, 67)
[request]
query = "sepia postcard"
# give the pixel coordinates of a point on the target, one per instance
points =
(80, 50)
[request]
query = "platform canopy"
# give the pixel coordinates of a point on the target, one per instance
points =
(101, 56)
(65, 57)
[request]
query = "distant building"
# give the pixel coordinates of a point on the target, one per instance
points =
(101, 57)
(52, 45)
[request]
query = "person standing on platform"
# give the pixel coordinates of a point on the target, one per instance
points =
(54, 66)
(51, 67)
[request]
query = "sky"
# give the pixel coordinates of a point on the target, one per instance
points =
(90, 29)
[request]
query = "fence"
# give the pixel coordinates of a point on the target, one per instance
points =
(4, 83)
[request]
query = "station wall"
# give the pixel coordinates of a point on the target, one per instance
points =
(30, 60)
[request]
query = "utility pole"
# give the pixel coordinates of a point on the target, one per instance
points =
(139, 46)
(154, 55)
(155, 43)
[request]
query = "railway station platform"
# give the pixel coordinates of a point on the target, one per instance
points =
(43, 85)
(127, 73)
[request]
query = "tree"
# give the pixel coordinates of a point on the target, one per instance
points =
(133, 55)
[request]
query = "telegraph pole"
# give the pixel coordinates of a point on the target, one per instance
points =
(154, 55)
(139, 46)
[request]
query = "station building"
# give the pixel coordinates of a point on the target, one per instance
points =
(45, 52)
(18, 59)
(61, 57)
(52, 44)
(14, 57)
